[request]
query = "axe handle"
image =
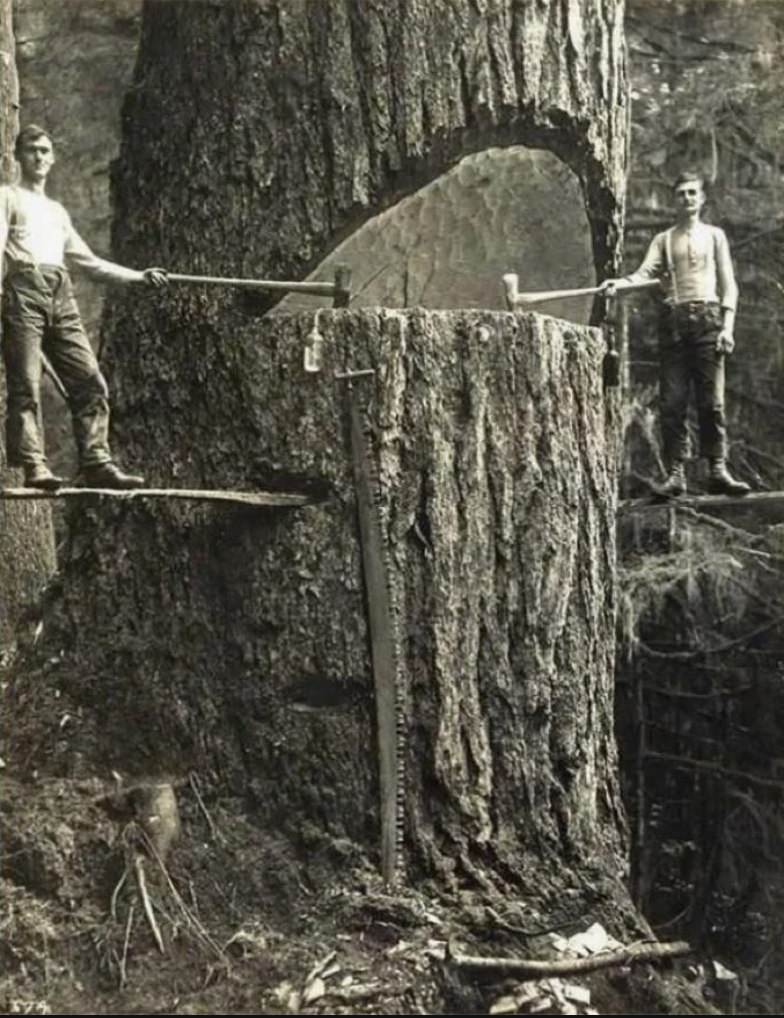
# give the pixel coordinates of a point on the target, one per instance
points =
(321, 289)
(523, 299)
(543, 296)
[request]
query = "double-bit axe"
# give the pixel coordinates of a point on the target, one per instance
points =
(339, 291)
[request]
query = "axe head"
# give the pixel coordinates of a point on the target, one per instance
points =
(510, 281)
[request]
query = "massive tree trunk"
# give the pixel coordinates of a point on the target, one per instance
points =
(235, 642)
(27, 558)
(259, 134)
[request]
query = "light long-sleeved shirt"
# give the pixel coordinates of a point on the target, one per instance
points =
(694, 263)
(35, 230)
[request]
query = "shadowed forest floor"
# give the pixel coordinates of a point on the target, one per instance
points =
(248, 927)
(249, 924)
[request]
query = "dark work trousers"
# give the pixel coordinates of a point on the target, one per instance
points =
(688, 357)
(40, 314)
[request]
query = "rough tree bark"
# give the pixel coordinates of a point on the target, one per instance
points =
(235, 642)
(27, 555)
(314, 116)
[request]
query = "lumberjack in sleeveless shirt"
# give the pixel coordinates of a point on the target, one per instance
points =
(38, 245)
(696, 324)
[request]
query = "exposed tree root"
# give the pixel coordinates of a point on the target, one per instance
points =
(152, 888)
(215, 834)
(126, 942)
(141, 883)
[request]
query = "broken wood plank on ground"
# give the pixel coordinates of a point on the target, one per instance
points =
(249, 498)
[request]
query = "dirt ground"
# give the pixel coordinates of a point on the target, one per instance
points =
(122, 898)
(244, 926)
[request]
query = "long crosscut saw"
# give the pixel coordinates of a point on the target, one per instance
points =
(381, 612)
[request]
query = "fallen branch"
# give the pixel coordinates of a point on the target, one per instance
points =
(757, 499)
(534, 967)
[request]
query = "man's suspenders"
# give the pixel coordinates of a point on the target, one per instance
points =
(669, 264)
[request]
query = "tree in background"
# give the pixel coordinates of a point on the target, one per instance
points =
(701, 712)
(27, 553)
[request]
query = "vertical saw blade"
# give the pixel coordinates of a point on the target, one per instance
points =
(381, 610)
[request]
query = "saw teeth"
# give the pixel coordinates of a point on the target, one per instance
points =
(366, 468)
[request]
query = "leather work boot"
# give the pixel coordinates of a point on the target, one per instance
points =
(38, 475)
(109, 475)
(675, 483)
(721, 481)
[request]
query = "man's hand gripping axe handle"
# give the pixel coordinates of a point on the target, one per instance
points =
(516, 299)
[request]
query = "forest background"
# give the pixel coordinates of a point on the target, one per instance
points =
(702, 648)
